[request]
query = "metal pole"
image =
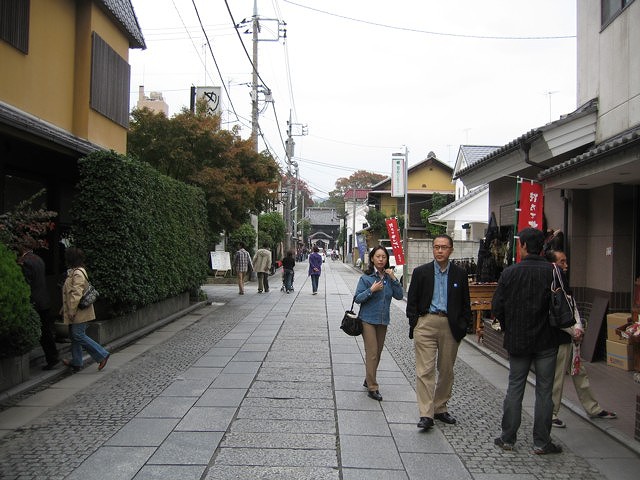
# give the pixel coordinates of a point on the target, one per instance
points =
(254, 78)
(353, 232)
(405, 235)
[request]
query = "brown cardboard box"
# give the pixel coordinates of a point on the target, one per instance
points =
(614, 320)
(620, 355)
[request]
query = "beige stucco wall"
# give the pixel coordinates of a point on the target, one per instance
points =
(52, 81)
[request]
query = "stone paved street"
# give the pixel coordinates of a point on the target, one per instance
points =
(267, 386)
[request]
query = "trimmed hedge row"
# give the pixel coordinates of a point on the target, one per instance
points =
(143, 233)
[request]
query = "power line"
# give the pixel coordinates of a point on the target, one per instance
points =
(428, 32)
(214, 58)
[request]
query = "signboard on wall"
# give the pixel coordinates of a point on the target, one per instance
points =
(212, 96)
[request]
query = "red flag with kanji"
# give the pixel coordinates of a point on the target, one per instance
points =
(396, 240)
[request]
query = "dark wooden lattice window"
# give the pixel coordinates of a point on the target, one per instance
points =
(110, 76)
(14, 23)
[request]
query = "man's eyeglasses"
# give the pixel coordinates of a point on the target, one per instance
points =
(441, 247)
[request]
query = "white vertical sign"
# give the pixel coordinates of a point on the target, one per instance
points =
(212, 96)
(397, 174)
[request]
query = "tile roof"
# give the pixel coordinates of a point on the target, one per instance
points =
(122, 12)
(323, 216)
(610, 146)
(431, 158)
(532, 134)
(474, 153)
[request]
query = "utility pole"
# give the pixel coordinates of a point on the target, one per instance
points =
(289, 152)
(254, 77)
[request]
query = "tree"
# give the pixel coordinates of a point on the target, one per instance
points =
(25, 226)
(438, 201)
(191, 147)
(245, 234)
(359, 179)
(270, 229)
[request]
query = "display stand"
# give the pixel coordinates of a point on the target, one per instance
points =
(481, 295)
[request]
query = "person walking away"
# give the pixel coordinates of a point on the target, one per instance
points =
(374, 292)
(566, 339)
(74, 286)
(33, 269)
(241, 263)
(262, 265)
(439, 312)
(288, 264)
(521, 305)
(315, 269)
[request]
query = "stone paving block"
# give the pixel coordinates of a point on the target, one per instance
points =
(274, 390)
(348, 358)
(362, 423)
(112, 463)
(280, 440)
(378, 474)
(233, 380)
(16, 417)
(288, 402)
(399, 393)
(222, 397)
(213, 361)
(170, 472)
(143, 432)
(237, 472)
(411, 439)
(294, 375)
(187, 388)
(167, 407)
(400, 412)
(267, 413)
(222, 352)
(299, 365)
(230, 343)
(250, 356)
(187, 448)
(277, 457)
(350, 382)
(207, 419)
(243, 425)
(352, 400)
(357, 451)
(349, 369)
(255, 347)
(504, 476)
(203, 373)
(435, 466)
(46, 398)
(234, 367)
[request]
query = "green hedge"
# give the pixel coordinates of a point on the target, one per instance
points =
(19, 322)
(144, 234)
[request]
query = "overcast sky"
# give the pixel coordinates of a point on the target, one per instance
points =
(368, 77)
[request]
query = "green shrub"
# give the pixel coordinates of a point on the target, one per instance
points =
(19, 322)
(246, 234)
(143, 233)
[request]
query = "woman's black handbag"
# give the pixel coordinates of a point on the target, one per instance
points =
(351, 323)
(561, 314)
(89, 296)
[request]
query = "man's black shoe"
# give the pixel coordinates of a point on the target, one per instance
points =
(425, 422)
(375, 395)
(364, 384)
(445, 417)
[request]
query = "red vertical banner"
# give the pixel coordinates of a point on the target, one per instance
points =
(396, 240)
(531, 205)
(531, 208)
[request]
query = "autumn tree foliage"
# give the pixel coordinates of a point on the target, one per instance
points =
(193, 148)
(358, 179)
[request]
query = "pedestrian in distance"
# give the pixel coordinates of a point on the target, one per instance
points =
(288, 264)
(242, 265)
(374, 292)
(262, 265)
(439, 313)
(33, 269)
(521, 305)
(74, 286)
(315, 269)
(566, 339)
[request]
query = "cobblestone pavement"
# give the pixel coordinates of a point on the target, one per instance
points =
(59, 441)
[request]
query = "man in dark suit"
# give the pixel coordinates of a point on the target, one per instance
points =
(439, 312)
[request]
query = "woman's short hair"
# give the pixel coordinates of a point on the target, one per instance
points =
(74, 257)
(316, 249)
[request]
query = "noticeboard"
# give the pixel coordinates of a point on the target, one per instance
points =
(220, 261)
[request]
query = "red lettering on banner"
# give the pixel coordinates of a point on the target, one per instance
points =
(394, 237)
